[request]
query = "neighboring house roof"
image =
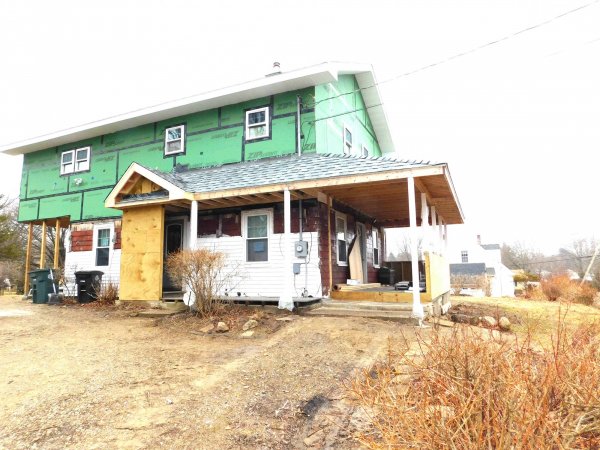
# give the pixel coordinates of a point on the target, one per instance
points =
(285, 169)
(467, 269)
(266, 86)
(491, 246)
(490, 271)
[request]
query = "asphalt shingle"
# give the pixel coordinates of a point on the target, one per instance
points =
(291, 168)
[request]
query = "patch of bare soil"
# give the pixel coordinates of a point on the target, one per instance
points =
(103, 377)
(483, 310)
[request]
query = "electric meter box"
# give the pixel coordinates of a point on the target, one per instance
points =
(301, 249)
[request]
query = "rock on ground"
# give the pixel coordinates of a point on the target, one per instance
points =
(250, 324)
(222, 327)
(504, 323)
(488, 322)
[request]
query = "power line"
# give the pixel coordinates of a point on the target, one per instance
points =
(467, 52)
(571, 258)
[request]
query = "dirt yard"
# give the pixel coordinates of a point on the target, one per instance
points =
(88, 378)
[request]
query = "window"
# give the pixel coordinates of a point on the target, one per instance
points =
(364, 152)
(257, 123)
(77, 160)
(256, 230)
(464, 256)
(347, 141)
(175, 140)
(342, 245)
(375, 248)
(102, 246)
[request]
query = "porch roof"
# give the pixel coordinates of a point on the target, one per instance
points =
(374, 186)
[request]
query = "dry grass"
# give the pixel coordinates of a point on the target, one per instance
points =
(470, 389)
(537, 317)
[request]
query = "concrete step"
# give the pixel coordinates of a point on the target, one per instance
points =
(371, 306)
(397, 316)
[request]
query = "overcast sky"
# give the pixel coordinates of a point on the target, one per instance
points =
(518, 121)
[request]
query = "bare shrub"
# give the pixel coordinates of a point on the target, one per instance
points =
(556, 286)
(108, 293)
(470, 390)
(204, 273)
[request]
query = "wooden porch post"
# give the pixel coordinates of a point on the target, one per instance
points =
(329, 244)
(56, 244)
(417, 308)
(285, 300)
(426, 239)
(194, 225)
(28, 259)
(43, 246)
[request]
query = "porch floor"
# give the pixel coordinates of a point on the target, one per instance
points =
(385, 294)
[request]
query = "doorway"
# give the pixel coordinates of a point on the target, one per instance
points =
(173, 243)
(361, 237)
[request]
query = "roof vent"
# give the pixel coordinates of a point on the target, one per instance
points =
(276, 69)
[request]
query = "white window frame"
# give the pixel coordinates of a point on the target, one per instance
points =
(364, 151)
(464, 256)
(348, 149)
(257, 212)
(111, 238)
(74, 161)
(376, 246)
(337, 252)
(266, 123)
(168, 141)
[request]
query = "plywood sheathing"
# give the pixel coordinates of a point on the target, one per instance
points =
(142, 236)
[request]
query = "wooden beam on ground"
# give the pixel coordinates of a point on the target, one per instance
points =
(28, 259)
(43, 246)
(56, 244)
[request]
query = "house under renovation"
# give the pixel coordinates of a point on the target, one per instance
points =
(293, 176)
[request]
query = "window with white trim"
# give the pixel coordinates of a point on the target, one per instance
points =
(464, 256)
(102, 246)
(375, 248)
(364, 151)
(257, 123)
(77, 160)
(347, 141)
(257, 228)
(175, 140)
(340, 238)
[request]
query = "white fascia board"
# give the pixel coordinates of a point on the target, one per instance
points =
(269, 85)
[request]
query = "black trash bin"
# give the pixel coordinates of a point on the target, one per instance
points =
(43, 282)
(88, 285)
(386, 275)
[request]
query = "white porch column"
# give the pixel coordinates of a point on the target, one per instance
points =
(426, 243)
(193, 244)
(285, 300)
(434, 230)
(445, 238)
(417, 308)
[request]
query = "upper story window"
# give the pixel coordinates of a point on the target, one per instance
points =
(375, 248)
(257, 225)
(347, 141)
(257, 123)
(464, 256)
(175, 140)
(340, 237)
(77, 160)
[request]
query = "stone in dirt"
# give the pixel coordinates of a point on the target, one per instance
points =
(488, 321)
(250, 324)
(314, 438)
(222, 327)
(247, 334)
(504, 323)
(207, 328)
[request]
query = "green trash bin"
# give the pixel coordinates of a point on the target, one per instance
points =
(43, 282)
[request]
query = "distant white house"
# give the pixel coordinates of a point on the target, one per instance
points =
(471, 257)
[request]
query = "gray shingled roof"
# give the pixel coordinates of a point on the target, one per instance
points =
(491, 246)
(284, 169)
(467, 269)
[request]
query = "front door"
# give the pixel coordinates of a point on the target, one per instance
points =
(362, 241)
(173, 243)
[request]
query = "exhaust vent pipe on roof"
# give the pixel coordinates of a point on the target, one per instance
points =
(276, 69)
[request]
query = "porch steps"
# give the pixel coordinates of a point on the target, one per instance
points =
(398, 312)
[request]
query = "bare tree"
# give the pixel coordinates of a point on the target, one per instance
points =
(578, 254)
(520, 256)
